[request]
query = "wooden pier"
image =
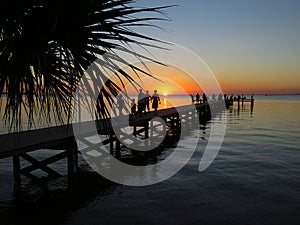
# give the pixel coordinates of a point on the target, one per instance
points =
(240, 102)
(18, 145)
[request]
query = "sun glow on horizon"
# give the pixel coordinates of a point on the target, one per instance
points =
(171, 81)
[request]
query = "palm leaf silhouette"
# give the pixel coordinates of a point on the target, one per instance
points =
(45, 47)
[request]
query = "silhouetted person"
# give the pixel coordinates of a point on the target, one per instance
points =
(141, 102)
(204, 98)
(197, 98)
(192, 97)
(133, 106)
(155, 99)
(147, 100)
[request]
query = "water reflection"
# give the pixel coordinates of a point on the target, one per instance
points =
(48, 201)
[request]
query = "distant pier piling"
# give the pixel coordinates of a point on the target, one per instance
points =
(252, 103)
(241, 101)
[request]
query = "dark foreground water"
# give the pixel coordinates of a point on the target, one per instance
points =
(255, 179)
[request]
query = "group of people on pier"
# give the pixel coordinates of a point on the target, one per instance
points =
(144, 100)
(237, 98)
(204, 98)
(196, 99)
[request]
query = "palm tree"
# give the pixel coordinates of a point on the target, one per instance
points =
(45, 47)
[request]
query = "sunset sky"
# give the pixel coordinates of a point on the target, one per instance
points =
(251, 46)
(171, 80)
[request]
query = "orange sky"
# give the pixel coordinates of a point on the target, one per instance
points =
(264, 79)
(171, 80)
(233, 80)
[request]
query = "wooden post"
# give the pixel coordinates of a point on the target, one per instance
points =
(76, 158)
(146, 129)
(71, 160)
(151, 129)
(111, 144)
(252, 105)
(242, 101)
(17, 168)
(118, 148)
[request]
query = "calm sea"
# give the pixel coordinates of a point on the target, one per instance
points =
(255, 179)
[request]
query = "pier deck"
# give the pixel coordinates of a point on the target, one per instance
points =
(19, 144)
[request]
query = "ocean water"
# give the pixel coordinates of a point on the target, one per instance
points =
(255, 179)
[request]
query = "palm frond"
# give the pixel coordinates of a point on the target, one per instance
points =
(45, 47)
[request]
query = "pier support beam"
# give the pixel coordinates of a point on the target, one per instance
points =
(72, 159)
(243, 101)
(111, 144)
(147, 130)
(252, 105)
(17, 168)
(118, 148)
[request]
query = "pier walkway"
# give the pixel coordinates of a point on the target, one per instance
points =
(19, 144)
